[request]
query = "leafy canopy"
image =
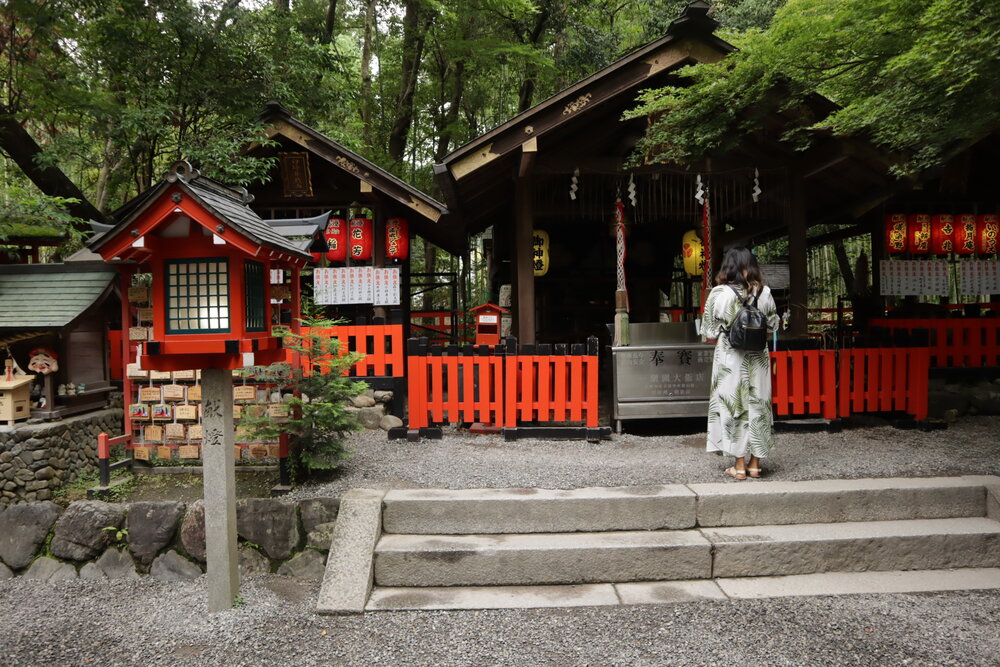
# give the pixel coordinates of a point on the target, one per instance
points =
(918, 77)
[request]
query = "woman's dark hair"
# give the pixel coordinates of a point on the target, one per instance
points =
(739, 267)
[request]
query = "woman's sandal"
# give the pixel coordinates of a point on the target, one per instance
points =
(735, 474)
(754, 472)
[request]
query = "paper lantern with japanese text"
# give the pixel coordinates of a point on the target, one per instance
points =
(987, 226)
(539, 252)
(895, 233)
(336, 239)
(397, 238)
(942, 234)
(965, 235)
(918, 231)
(691, 251)
(360, 233)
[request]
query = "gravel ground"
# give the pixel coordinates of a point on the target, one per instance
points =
(148, 622)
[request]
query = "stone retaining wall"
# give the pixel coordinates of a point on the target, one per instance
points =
(96, 540)
(37, 459)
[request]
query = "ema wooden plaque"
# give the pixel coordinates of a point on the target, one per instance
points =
(188, 451)
(237, 411)
(277, 410)
(173, 392)
(141, 453)
(281, 292)
(152, 433)
(244, 392)
(144, 314)
(237, 452)
(159, 375)
(174, 431)
(138, 333)
(135, 373)
(164, 453)
(189, 412)
(195, 432)
(151, 394)
(162, 411)
(194, 393)
(183, 375)
(274, 451)
(138, 411)
(138, 294)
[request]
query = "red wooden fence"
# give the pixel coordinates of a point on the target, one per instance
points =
(954, 343)
(381, 345)
(500, 386)
(804, 382)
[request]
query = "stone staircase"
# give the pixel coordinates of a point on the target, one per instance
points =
(480, 548)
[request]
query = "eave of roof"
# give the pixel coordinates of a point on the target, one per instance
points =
(50, 299)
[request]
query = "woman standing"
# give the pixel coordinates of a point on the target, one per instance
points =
(740, 423)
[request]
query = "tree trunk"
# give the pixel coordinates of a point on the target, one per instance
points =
(415, 26)
(22, 149)
(446, 131)
(430, 266)
(366, 74)
(527, 90)
(331, 19)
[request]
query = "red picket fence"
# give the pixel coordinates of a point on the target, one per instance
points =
(837, 384)
(381, 345)
(953, 343)
(804, 382)
(884, 380)
(503, 386)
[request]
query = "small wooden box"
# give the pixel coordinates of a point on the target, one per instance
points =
(15, 398)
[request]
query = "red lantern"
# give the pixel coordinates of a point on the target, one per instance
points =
(918, 231)
(316, 256)
(397, 238)
(942, 234)
(987, 227)
(965, 235)
(336, 239)
(895, 233)
(361, 239)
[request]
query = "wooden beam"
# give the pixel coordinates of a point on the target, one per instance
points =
(798, 292)
(524, 277)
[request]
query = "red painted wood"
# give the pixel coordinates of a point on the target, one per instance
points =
(829, 385)
(576, 388)
(813, 377)
(591, 363)
(779, 382)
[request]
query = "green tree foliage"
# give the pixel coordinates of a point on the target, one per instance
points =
(319, 421)
(920, 77)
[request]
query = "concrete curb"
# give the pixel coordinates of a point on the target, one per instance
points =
(348, 580)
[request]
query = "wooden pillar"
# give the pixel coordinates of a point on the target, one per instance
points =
(524, 222)
(798, 292)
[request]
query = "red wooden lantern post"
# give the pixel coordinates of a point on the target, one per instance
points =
(360, 239)
(942, 234)
(895, 233)
(210, 258)
(918, 232)
(397, 238)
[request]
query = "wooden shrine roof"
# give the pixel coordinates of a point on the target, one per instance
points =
(50, 296)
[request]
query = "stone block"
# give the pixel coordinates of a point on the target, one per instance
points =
(253, 562)
(308, 564)
(80, 533)
(371, 417)
(470, 511)
(315, 511)
(5, 572)
(547, 558)
(193, 530)
(382, 396)
(270, 523)
(151, 527)
(45, 473)
(171, 566)
(389, 422)
(23, 529)
(349, 572)
(116, 564)
(321, 536)
(362, 401)
(49, 569)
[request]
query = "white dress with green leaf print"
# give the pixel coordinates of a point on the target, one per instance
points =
(739, 406)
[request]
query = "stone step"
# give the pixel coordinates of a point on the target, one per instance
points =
(838, 500)
(498, 511)
(753, 551)
(542, 558)
(674, 592)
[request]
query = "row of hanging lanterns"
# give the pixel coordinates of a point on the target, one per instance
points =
(355, 239)
(942, 234)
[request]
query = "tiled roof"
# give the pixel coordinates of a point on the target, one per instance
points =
(33, 300)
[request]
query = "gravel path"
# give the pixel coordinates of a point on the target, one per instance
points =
(148, 622)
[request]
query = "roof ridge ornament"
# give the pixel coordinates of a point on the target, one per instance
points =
(182, 171)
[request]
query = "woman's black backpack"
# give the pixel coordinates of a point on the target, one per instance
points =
(749, 330)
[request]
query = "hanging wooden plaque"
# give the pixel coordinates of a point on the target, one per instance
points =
(194, 393)
(159, 375)
(144, 314)
(133, 372)
(174, 431)
(244, 392)
(173, 392)
(138, 294)
(195, 432)
(274, 451)
(183, 375)
(162, 411)
(151, 394)
(138, 333)
(138, 411)
(277, 410)
(281, 292)
(141, 453)
(152, 433)
(254, 410)
(188, 451)
(237, 411)
(189, 412)
(164, 453)
(237, 452)
(258, 451)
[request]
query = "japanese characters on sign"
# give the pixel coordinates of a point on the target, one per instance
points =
(357, 284)
(914, 277)
(539, 252)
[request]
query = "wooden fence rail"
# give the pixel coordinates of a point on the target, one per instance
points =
(953, 343)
